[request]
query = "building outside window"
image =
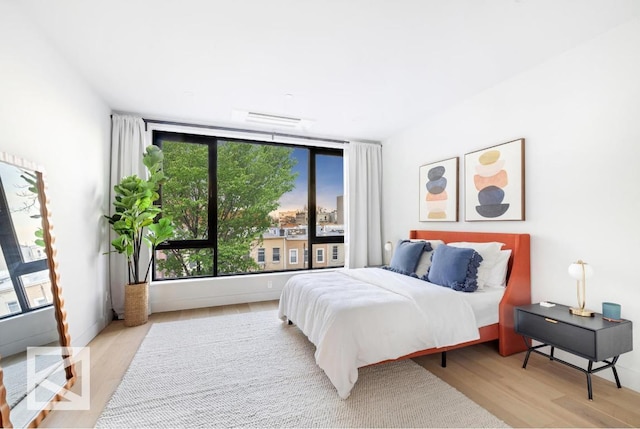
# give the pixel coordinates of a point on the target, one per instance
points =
(232, 208)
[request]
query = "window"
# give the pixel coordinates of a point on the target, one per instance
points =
(320, 255)
(13, 307)
(24, 272)
(40, 301)
(334, 253)
(234, 201)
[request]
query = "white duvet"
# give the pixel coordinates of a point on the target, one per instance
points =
(356, 317)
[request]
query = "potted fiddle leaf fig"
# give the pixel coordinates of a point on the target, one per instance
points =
(136, 221)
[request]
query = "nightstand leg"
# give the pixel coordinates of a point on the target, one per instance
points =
(551, 354)
(589, 368)
(526, 359)
(529, 348)
(615, 372)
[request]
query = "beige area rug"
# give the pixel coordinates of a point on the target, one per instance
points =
(253, 370)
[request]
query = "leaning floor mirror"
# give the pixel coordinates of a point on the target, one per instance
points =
(35, 361)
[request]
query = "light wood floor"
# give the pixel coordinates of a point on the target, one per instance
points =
(546, 394)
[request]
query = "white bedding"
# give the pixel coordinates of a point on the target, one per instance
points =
(485, 304)
(356, 317)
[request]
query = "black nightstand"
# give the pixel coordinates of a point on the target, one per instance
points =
(593, 338)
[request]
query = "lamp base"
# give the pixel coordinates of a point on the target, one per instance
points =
(581, 312)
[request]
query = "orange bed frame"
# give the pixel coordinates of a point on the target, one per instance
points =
(518, 290)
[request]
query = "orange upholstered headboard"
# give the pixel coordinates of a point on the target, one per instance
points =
(518, 291)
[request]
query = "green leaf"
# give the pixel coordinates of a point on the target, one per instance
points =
(135, 210)
(160, 232)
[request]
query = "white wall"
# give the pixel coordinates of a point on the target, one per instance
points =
(580, 116)
(49, 115)
(37, 328)
(208, 292)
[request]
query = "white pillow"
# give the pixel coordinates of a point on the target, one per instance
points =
(498, 274)
(425, 259)
(490, 253)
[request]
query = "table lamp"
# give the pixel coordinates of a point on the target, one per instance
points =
(388, 249)
(580, 271)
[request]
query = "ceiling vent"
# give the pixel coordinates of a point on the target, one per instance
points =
(273, 120)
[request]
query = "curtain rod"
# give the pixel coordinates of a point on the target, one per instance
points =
(213, 127)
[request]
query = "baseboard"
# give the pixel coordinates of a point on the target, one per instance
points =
(160, 306)
(88, 334)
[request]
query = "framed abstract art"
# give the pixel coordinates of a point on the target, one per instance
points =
(439, 191)
(494, 182)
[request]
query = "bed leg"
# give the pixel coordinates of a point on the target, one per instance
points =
(443, 359)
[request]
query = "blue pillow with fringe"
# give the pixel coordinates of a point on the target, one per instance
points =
(454, 267)
(406, 256)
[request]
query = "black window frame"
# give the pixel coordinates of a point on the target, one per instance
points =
(211, 242)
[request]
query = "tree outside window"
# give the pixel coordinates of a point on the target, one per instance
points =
(235, 202)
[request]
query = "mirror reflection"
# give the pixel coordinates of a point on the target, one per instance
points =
(24, 275)
(27, 313)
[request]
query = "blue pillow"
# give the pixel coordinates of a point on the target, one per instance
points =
(405, 258)
(454, 267)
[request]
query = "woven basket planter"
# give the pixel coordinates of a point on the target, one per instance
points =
(136, 304)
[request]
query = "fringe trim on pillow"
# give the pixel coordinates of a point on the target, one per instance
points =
(427, 245)
(470, 283)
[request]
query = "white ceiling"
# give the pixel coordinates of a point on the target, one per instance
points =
(361, 69)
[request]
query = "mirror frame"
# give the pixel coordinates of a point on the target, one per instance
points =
(56, 291)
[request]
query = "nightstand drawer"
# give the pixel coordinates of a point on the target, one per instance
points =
(571, 338)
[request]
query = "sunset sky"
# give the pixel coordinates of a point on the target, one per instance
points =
(329, 182)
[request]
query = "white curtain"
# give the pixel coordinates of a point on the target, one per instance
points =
(128, 142)
(364, 184)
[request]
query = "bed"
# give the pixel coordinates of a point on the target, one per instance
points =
(365, 316)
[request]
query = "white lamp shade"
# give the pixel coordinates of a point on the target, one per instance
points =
(388, 246)
(575, 270)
